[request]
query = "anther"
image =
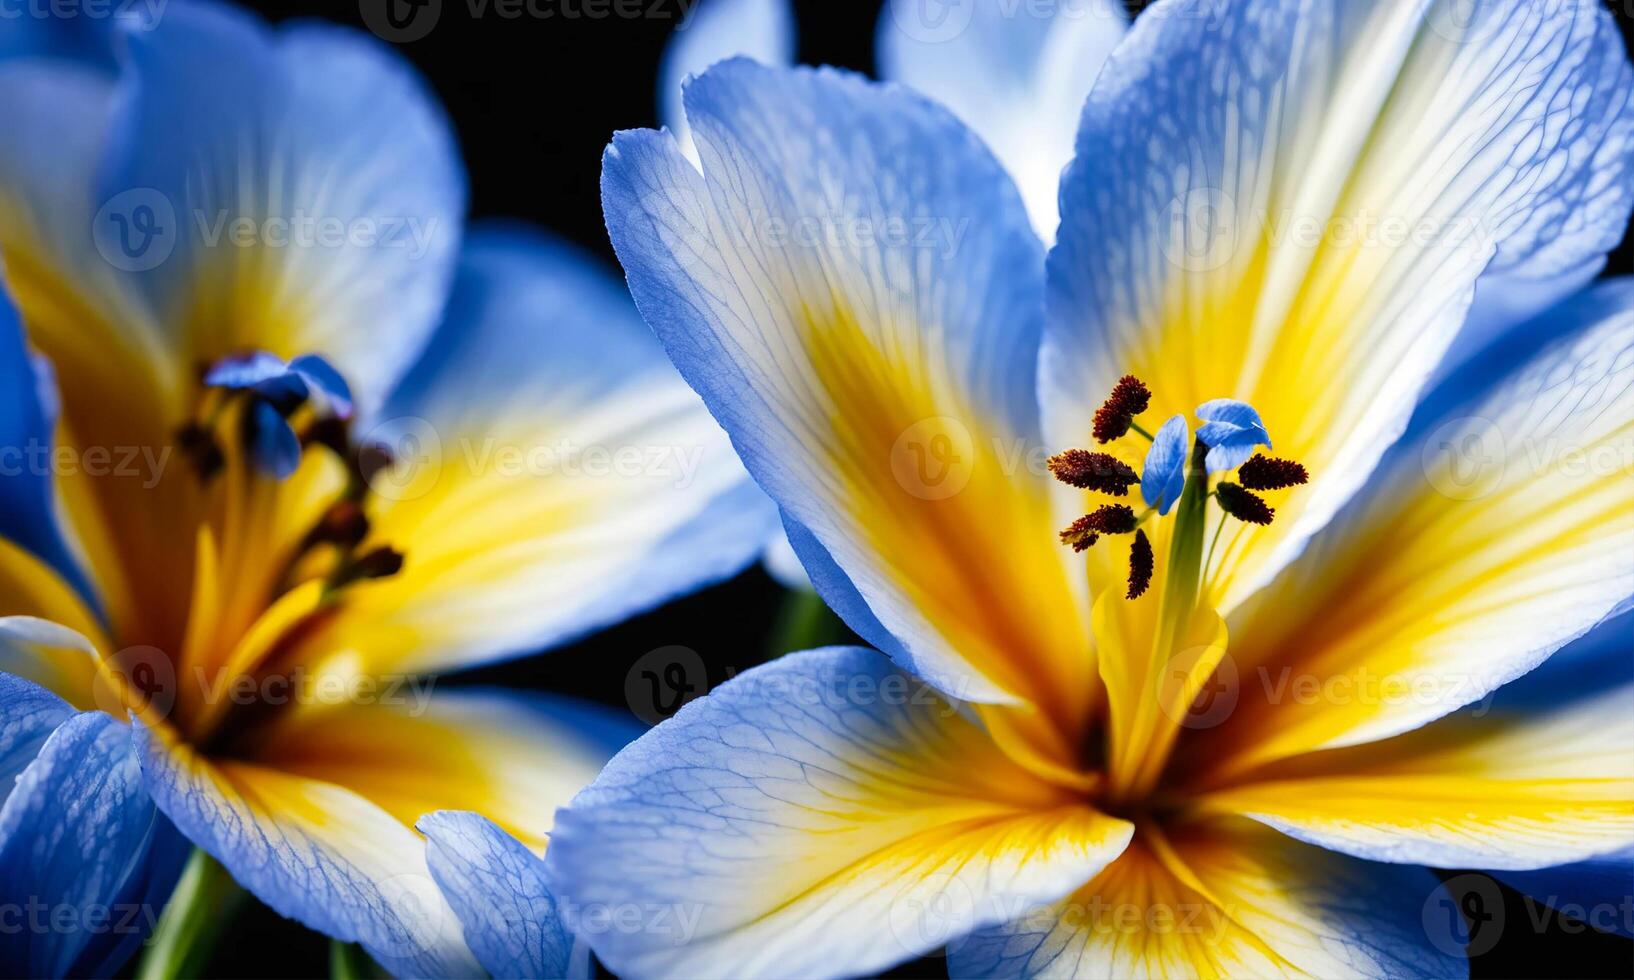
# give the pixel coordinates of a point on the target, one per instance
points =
(1266, 473)
(1128, 399)
(343, 523)
(1079, 534)
(1140, 565)
(1244, 505)
(1093, 471)
(372, 460)
(382, 562)
(198, 444)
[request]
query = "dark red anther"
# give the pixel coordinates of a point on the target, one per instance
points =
(1079, 534)
(1267, 473)
(1244, 505)
(1141, 564)
(1093, 471)
(1128, 399)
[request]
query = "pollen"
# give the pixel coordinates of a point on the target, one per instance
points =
(1129, 398)
(1244, 505)
(1141, 564)
(1079, 534)
(1266, 473)
(1093, 471)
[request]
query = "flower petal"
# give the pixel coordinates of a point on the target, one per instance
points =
(713, 31)
(314, 184)
(1291, 203)
(1017, 74)
(514, 757)
(819, 815)
(1499, 532)
(1500, 791)
(313, 851)
(31, 713)
(497, 888)
(553, 473)
(873, 363)
(1599, 891)
(1223, 898)
(80, 837)
(1163, 476)
(28, 511)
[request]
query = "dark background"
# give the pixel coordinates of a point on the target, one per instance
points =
(534, 101)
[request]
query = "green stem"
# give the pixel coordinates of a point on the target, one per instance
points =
(1208, 560)
(803, 622)
(1136, 426)
(348, 961)
(204, 900)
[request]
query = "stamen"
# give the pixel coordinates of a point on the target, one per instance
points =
(1080, 535)
(1129, 398)
(1244, 505)
(1267, 473)
(1141, 564)
(1112, 519)
(343, 524)
(1093, 471)
(199, 446)
(382, 562)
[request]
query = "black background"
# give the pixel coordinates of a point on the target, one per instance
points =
(534, 101)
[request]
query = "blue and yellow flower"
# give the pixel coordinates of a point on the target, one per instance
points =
(279, 446)
(1227, 731)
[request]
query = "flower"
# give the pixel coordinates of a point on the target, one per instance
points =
(278, 449)
(1034, 769)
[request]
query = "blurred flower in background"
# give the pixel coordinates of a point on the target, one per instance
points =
(281, 445)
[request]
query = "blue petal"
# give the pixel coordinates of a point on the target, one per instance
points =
(80, 836)
(1163, 476)
(28, 715)
(497, 888)
(1233, 429)
(320, 374)
(1599, 891)
(747, 306)
(714, 31)
(276, 448)
(312, 850)
(799, 819)
(323, 143)
(245, 370)
(28, 514)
